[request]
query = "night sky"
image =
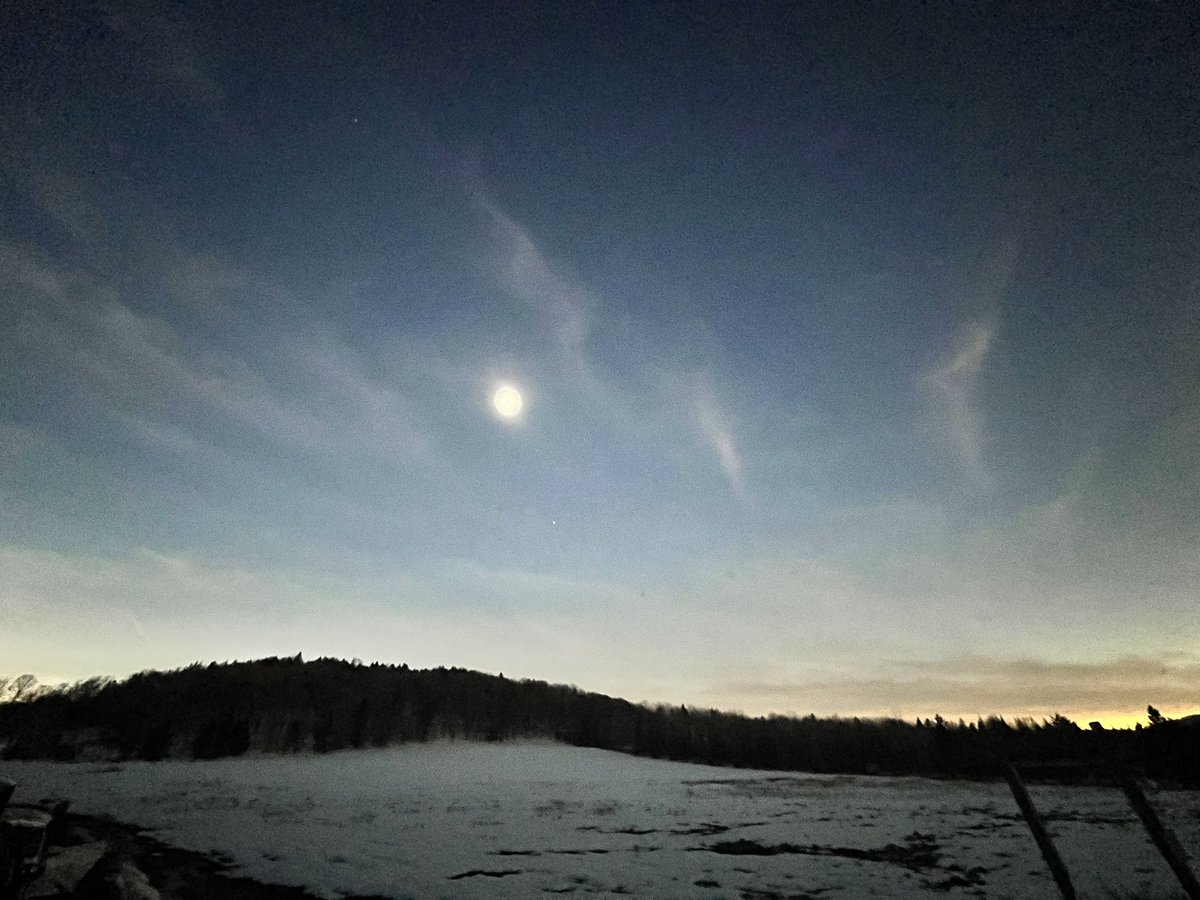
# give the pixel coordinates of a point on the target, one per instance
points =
(857, 346)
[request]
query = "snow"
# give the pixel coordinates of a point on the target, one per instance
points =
(402, 822)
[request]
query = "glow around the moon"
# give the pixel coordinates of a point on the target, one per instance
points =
(507, 401)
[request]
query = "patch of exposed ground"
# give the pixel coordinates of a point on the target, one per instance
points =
(631, 829)
(973, 877)
(919, 852)
(484, 873)
(762, 894)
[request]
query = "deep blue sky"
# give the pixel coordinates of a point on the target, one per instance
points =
(859, 346)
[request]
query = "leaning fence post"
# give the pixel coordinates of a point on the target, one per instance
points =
(1162, 836)
(1040, 834)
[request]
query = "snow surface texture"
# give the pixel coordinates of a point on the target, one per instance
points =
(532, 819)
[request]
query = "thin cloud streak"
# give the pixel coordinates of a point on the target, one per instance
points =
(566, 309)
(154, 377)
(522, 267)
(954, 385)
(714, 425)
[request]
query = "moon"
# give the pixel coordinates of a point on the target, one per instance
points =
(507, 402)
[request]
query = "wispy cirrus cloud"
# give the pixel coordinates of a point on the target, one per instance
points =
(953, 386)
(714, 424)
(566, 309)
(179, 387)
(522, 267)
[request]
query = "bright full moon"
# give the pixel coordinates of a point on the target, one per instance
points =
(507, 402)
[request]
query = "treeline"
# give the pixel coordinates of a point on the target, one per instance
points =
(287, 705)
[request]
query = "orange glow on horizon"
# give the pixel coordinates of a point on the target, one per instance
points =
(1110, 719)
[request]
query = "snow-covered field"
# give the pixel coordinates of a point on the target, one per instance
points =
(526, 819)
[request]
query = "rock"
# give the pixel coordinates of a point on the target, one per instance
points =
(115, 878)
(65, 868)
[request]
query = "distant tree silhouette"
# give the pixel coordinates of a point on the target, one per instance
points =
(288, 705)
(21, 688)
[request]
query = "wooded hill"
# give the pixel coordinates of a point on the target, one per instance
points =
(287, 705)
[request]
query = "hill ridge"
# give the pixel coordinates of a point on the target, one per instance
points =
(289, 705)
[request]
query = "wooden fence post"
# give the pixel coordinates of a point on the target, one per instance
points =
(1162, 836)
(1040, 834)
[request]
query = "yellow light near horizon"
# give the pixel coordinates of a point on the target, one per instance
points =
(507, 402)
(1111, 720)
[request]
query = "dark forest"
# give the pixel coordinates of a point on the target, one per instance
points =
(287, 705)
